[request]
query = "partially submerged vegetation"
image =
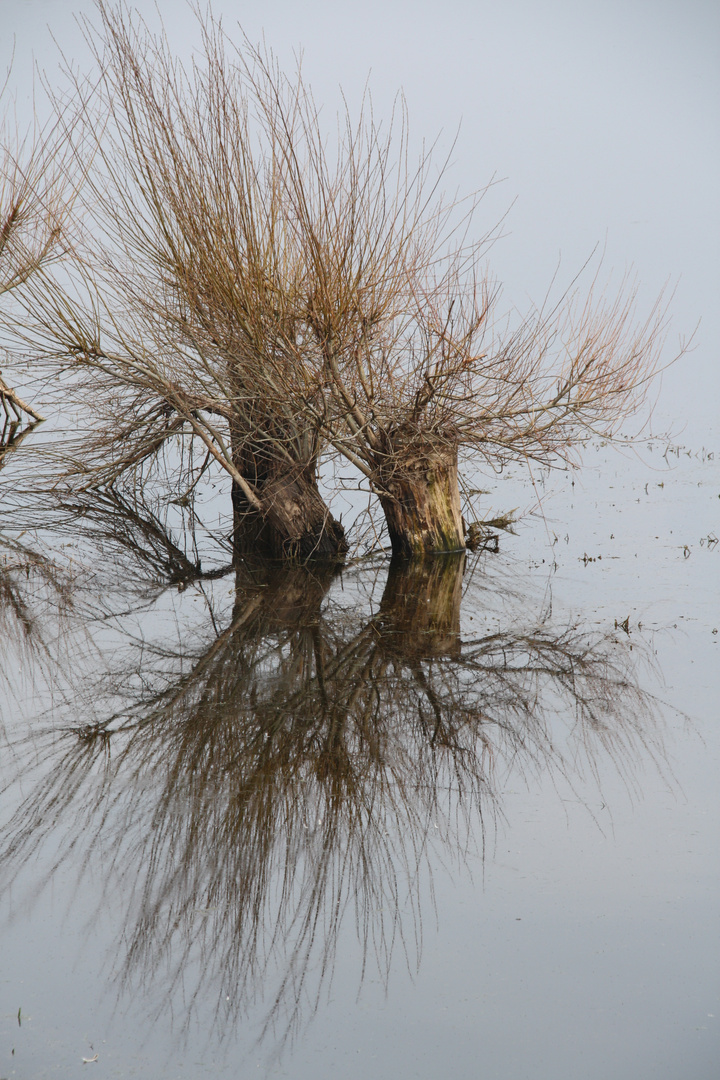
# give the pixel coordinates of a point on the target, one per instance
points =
(241, 288)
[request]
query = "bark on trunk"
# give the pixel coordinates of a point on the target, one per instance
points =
(421, 502)
(294, 523)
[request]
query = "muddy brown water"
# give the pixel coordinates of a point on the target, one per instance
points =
(456, 821)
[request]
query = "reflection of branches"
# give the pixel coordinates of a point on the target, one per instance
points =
(135, 529)
(138, 547)
(32, 585)
(12, 434)
(133, 557)
(296, 768)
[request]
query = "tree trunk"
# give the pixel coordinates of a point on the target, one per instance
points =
(294, 523)
(421, 502)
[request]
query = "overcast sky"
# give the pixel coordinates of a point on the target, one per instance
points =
(599, 117)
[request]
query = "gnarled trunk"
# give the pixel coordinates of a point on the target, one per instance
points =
(421, 501)
(294, 522)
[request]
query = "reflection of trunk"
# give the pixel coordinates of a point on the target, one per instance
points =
(421, 502)
(294, 522)
(420, 607)
(272, 600)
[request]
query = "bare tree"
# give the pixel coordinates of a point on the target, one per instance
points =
(245, 282)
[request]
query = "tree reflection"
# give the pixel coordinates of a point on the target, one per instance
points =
(303, 763)
(34, 589)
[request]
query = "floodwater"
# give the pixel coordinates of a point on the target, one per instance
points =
(460, 820)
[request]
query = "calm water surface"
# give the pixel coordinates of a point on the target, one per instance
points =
(460, 821)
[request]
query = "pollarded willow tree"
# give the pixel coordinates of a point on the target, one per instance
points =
(245, 282)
